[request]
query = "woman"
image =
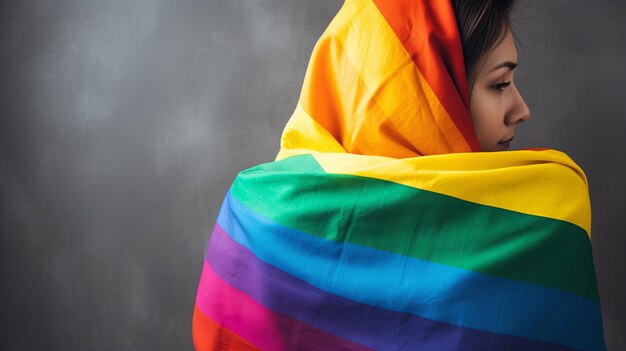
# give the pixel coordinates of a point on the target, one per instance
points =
(382, 225)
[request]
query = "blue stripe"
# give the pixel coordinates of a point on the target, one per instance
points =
(374, 327)
(426, 289)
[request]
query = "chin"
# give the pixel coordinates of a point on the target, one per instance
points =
(503, 147)
(496, 147)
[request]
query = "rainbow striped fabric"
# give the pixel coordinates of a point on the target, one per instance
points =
(381, 225)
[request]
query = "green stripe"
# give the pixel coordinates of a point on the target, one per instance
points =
(297, 193)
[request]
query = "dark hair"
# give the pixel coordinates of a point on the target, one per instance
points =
(483, 24)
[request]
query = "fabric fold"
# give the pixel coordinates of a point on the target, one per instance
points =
(380, 225)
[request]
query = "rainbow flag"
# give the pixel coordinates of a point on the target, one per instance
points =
(381, 226)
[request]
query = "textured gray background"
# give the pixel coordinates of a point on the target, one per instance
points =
(122, 124)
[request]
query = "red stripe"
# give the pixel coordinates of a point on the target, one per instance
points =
(208, 335)
(429, 33)
(257, 324)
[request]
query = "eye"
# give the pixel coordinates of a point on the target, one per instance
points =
(501, 86)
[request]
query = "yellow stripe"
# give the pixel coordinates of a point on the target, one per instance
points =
(338, 100)
(393, 79)
(541, 183)
(303, 134)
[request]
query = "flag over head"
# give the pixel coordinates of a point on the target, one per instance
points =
(386, 78)
(381, 226)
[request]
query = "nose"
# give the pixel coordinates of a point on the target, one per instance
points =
(519, 111)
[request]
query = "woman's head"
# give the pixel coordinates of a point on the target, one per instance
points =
(388, 78)
(490, 55)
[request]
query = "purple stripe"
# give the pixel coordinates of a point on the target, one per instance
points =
(232, 309)
(371, 326)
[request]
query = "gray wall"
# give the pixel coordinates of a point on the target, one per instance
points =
(122, 124)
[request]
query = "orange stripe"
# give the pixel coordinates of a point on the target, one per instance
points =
(374, 103)
(335, 95)
(208, 335)
(429, 32)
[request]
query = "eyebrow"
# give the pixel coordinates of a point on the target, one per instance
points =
(509, 64)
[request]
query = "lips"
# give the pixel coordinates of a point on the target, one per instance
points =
(506, 141)
(505, 144)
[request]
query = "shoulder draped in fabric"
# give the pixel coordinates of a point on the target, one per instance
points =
(382, 226)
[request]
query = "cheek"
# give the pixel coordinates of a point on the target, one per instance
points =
(487, 116)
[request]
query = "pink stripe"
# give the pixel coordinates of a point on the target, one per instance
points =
(258, 325)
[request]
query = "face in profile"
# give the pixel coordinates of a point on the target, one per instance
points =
(496, 105)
